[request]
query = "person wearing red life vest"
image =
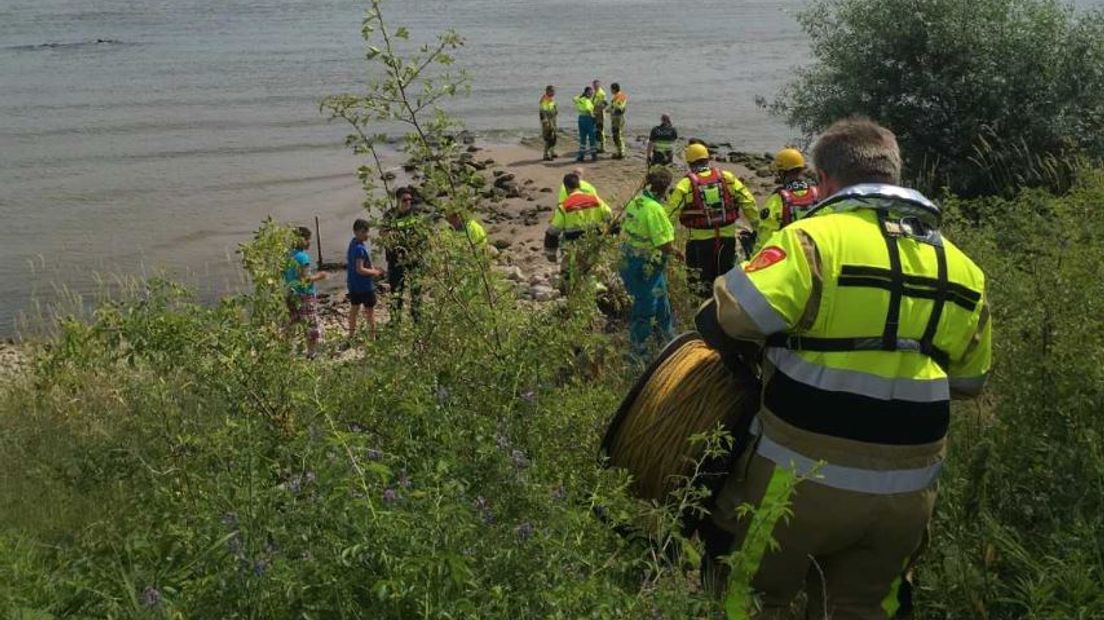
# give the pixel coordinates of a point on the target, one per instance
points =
(707, 202)
(794, 197)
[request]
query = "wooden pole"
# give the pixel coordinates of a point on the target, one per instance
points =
(318, 241)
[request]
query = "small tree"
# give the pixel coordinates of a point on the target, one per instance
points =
(983, 96)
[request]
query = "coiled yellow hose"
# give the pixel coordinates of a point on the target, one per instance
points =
(689, 391)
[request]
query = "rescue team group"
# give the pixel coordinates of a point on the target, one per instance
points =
(867, 320)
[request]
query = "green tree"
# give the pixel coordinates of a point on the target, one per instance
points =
(984, 96)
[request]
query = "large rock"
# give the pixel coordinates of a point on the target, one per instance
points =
(501, 180)
(513, 273)
(543, 292)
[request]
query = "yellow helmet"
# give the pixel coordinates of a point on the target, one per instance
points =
(788, 159)
(695, 152)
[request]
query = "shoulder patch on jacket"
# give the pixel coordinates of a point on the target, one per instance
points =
(765, 258)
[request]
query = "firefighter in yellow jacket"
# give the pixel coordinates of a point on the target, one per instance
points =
(618, 105)
(791, 200)
(548, 113)
(579, 214)
(871, 322)
(708, 201)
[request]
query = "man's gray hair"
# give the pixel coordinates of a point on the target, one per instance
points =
(858, 150)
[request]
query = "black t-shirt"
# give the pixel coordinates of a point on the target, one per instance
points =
(663, 132)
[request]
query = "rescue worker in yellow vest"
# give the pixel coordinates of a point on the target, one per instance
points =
(708, 201)
(601, 102)
(587, 140)
(791, 200)
(661, 142)
(548, 112)
(469, 229)
(617, 119)
(871, 322)
(578, 215)
(584, 186)
(648, 239)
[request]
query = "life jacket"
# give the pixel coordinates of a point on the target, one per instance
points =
(791, 201)
(716, 210)
(579, 200)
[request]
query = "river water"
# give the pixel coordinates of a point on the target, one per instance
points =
(139, 135)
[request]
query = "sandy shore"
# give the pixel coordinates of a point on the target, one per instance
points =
(515, 221)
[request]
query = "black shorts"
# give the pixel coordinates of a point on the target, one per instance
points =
(367, 298)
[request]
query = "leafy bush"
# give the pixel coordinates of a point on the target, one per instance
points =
(173, 459)
(983, 95)
(1019, 528)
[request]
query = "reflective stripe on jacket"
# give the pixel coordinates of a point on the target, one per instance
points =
(872, 321)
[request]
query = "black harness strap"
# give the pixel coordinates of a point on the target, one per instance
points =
(893, 280)
(926, 340)
(896, 289)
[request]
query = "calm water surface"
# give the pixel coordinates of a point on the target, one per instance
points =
(164, 145)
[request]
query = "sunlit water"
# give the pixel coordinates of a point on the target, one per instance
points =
(137, 135)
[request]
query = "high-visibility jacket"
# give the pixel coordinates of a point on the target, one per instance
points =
(705, 200)
(785, 205)
(619, 103)
(646, 226)
(872, 320)
(584, 106)
(578, 214)
(600, 100)
(473, 232)
(584, 186)
(403, 237)
(548, 110)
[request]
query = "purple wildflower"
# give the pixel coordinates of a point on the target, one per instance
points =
(518, 458)
(151, 597)
(230, 520)
(390, 495)
(404, 479)
(356, 427)
(524, 531)
(484, 509)
(233, 544)
(259, 567)
(529, 396)
(294, 486)
(373, 454)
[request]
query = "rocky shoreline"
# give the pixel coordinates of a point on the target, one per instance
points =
(519, 195)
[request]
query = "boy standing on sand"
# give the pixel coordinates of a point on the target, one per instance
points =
(302, 298)
(361, 279)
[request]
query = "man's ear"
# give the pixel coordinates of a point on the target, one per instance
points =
(827, 184)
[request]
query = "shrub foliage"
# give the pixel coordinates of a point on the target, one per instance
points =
(983, 95)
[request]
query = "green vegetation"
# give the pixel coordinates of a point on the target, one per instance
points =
(168, 459)
(984, 96)
(1019, 528)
